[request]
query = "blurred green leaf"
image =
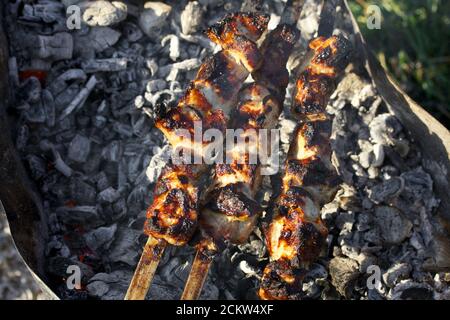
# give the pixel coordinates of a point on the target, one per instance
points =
(413, 45)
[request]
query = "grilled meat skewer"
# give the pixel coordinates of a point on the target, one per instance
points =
(172, 217)
(208, 100)
(296, 234)
(231, 211)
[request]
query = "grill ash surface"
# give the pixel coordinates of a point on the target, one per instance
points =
(86, 135)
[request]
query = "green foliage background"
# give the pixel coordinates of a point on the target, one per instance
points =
(413, 45)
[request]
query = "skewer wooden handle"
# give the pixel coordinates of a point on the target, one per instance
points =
(145, 270)
(197, 276)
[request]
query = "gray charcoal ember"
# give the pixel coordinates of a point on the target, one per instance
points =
(93, 162)
(36, 113)
(395, 273)
(103, 13)
(402, 147)
(393, 226)
(99, 121)
(39, 64)
(80, 98)
(68, 3)
(344, 273)
(78, 215)
(254, 247)
(418, 185)
(155, 85)
(176, 87)
(61, 82)
(109, 195)
(113, 151)
(23, 134)
(97, 40)
(161, 290)
(122, 174)
(137, 196)
(119, 209)
(160, 96)
(109, 286)
(126, 246)
(191, 17)
(105, 65)
(365, 159)
(51, 48)
(46, 11)
(30, 90)
(97, 289)
(132, 32)
(186, 65)
(124, 130)
(82, 192)
(378, 153)
(102, 181)
(173, 75)
(251, 6)
(175, 271)
(386, 190)
(13, 71)
(82, 121)
(139, 102)
(134, 149)
(246, 268)
(410, 290)
(157, 163)
(63, 99)
(60, 165)
(210, 290)
(101, 238)
(174, 46)
(384, 128)
(49, 107)
(141, 125)
(152, 65)
(37, 166)
(153, 17)
(364, 221)
(58, 266)
(79, 148)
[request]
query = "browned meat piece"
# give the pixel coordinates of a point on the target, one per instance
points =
(296, 234)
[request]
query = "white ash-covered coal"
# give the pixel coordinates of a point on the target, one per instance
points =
(84, 108)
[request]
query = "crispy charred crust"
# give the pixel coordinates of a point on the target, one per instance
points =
(173, 214)
(236, 35)
(253, 114)
(179, 118)
(315, 133)
(310, 243)
(313, 174)
(312, 93)
(207, 249)
(315, 83)
(252, 24)
(334, 52)
(193, 98)
(292, 199)
(281, 281)
(276, 50)
(178, 233)
(231, 201)
(217, 71)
